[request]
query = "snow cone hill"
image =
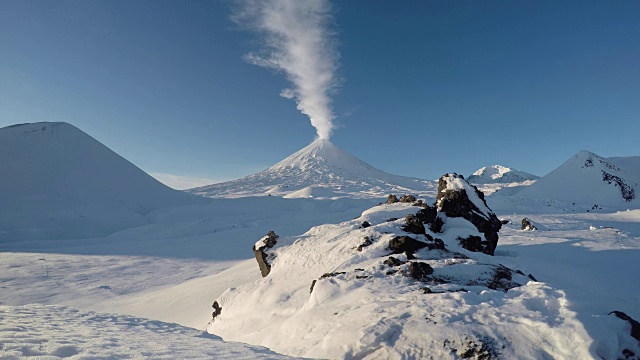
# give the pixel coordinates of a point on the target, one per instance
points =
(65, 184)
(589, 179)
(408, 280)
(320, 170)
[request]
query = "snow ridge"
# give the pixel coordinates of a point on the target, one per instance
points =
(499, 174)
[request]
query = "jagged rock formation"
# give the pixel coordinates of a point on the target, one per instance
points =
(457, 198)
(527, 225)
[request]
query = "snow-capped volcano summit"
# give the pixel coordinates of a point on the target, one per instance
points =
(320, 169)
(499, 174)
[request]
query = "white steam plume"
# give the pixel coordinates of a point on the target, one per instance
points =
(299, 42)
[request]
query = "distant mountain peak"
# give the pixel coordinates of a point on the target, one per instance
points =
(320, 164)
(500, 174)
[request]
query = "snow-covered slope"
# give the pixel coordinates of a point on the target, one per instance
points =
(367, 308)
(56, 332)
(587, 178)
(320, 165)
(59, 182)
(499, 174)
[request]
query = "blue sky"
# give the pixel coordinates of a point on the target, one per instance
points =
(427, 87)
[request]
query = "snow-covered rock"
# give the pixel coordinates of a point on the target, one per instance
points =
(335, 292)
(587, 178)
(459, 199)
(320, 170)
(59, 182)
(499, 174)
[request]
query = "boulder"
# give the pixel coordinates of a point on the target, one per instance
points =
(217, 310)
(392, 199)
(457, 198)
(391, 261)
(365, 243)
(260, 251)
(408, 199)
(365, 224)
(413, 225)
(405, 244)
(528, 225)
(419, 270)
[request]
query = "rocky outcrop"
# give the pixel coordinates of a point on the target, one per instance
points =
(217, 310)
(413, 225)
(260, 250)
(410, 199)
(457, 198)
(528, 225)
(392, 199)
(635, 325)
(406, 245)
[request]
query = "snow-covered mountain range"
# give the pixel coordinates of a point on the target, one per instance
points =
(499, 174)
(64, 183)
(320, 170)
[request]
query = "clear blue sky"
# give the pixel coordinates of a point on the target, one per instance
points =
(429, 87)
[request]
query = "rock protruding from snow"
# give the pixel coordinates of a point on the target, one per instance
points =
(262, 254)
(527, 224)
(459, 199)
(500, 174)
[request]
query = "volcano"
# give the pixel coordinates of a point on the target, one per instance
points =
(320, 170)
(59, 182)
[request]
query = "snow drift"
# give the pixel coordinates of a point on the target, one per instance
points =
(320, 166)
(59, 182)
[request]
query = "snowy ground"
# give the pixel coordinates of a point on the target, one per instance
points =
(56, 332)
(171, 270)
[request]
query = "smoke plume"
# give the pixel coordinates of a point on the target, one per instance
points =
(298, 41)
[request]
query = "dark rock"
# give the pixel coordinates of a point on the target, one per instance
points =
(502, 279)
(263, 258)
(392, 199)
(532, 278)
(405, 244)
(426, 290)
(419, 203)
(635, 325)
(528, 225)
(365, 224)
(505, 221)
(457, 203)
(328, 275)
(419, 270)
(437, 225)
(471, 243)
(324, 276)
(408, 199)
(391, 261)
(427, 215)
(367, 242)
(413, 225)
(217, 310)
(391, 219)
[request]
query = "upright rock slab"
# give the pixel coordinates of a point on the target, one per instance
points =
(457, 198)
(260, 251)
